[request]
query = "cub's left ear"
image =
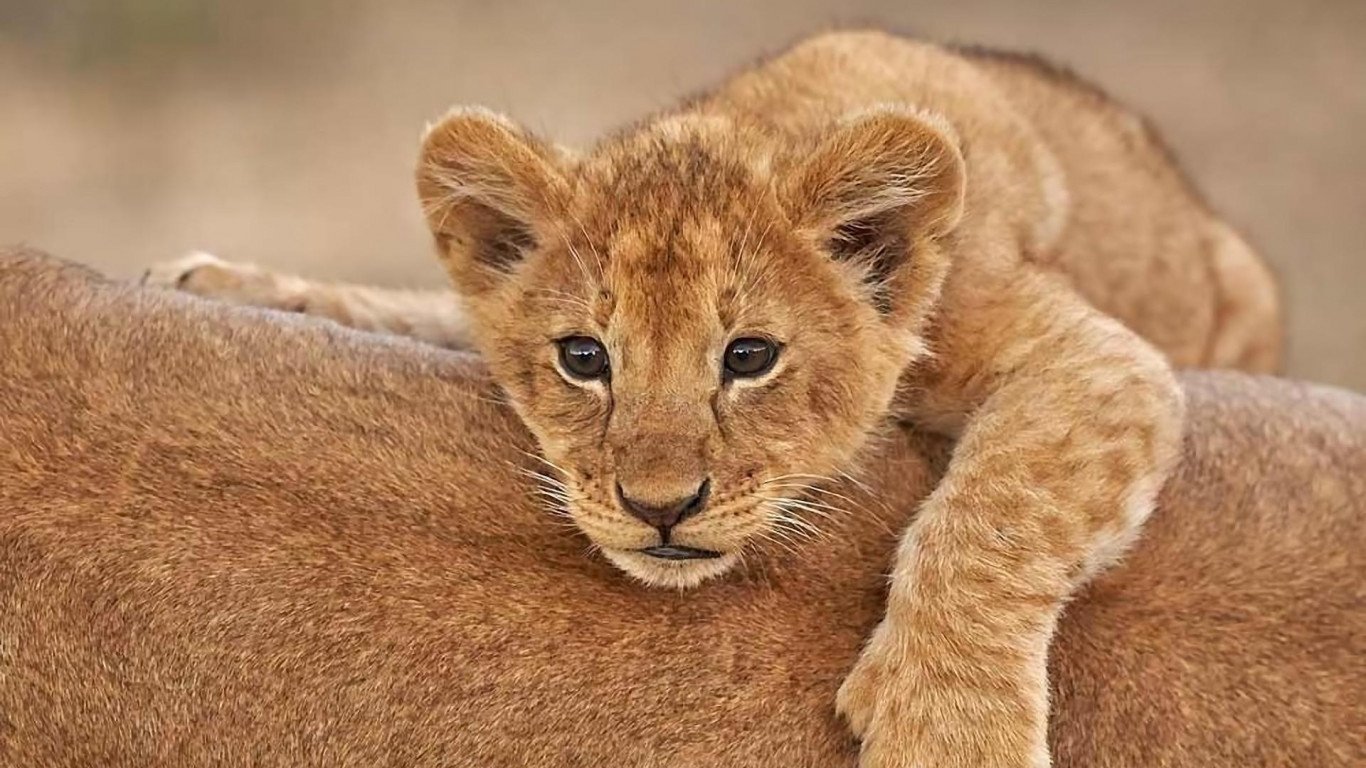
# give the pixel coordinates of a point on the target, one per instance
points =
(878, 184)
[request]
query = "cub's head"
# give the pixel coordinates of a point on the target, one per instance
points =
(696, 321)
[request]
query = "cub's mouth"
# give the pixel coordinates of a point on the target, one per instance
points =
(676, 552)
(672, 565)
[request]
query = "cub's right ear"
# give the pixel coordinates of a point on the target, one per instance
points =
(487, 189)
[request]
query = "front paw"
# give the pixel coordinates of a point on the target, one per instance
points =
(916, 703)
(858, 695)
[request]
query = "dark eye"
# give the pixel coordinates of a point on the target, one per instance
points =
(583, 357)
(749, 357)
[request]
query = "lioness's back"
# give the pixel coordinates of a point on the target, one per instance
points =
(153, 615)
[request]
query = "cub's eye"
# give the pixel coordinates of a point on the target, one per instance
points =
(749, 357)
(583, 357)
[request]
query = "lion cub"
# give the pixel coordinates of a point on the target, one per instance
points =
(715, 309)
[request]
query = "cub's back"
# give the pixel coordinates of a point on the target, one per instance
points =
(1138, 239)
(1110, 208)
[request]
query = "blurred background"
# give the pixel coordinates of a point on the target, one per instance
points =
(284, 132)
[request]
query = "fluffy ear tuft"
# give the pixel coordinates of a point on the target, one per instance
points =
(879, 183)
(485, 186)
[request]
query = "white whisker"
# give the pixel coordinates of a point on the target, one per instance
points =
(584, 231)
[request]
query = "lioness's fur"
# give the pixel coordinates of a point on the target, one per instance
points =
(893, 217)
(228, 539)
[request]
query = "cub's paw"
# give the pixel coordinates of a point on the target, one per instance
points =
(915, 706)
(204, 274)
(202, 268)
(858, 695)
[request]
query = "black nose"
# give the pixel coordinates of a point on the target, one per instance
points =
(666, 516)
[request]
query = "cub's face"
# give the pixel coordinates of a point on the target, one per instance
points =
(695, 328)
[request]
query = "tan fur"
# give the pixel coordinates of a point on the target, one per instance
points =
(895, 215)
(242, 539)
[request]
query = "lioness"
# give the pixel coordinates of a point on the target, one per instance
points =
(235, 538)
(713, 313)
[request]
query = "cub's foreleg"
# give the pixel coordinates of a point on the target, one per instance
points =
(435, 317)
(1068, 426)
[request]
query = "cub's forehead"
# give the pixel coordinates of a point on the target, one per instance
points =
(676, 216)
(699, 272)
(688, 247)
(662, 177)
(673, 196)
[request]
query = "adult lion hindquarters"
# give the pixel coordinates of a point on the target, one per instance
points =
(242, 538)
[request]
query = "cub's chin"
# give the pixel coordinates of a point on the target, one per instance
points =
(676, 569)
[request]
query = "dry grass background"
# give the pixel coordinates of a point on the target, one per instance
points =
(284, 132)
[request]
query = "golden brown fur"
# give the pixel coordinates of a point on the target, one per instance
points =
(237, 539)
(893, 216)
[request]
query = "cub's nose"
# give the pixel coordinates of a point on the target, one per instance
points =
(667, 515)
